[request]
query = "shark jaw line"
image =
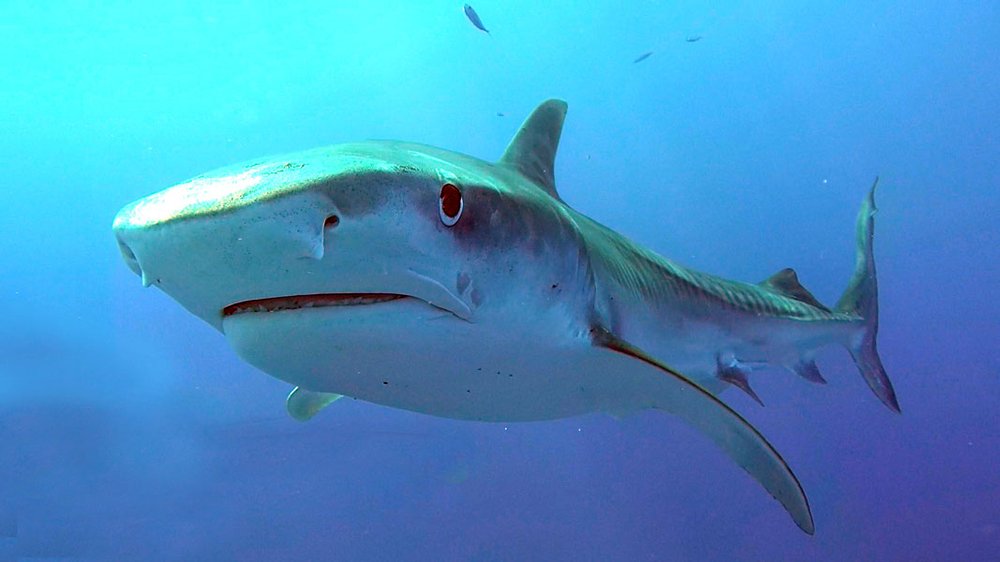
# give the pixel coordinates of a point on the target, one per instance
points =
(453, 305)
(298, 302)
(410, 285)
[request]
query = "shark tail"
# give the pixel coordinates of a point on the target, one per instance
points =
(861, 299)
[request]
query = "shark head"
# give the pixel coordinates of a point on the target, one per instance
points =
(340, 225)
(299, 258)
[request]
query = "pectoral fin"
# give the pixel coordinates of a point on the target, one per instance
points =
(733, 434)
(303, 404)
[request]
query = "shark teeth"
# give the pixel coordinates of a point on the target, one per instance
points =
(295, 302)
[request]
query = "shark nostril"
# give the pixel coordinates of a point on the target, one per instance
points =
(127, 252)
(331, 222)
(129, 256)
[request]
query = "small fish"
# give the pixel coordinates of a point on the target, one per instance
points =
(693, 39)
(500, 114)
(474, 18)
(643, 56)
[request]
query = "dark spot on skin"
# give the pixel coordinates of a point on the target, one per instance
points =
(385, 382)
(467, 390)
(555, 285)
(282, 168)
(498, 372)
(479, 368)
(510, 374)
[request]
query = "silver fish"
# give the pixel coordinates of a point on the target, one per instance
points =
(474, 18)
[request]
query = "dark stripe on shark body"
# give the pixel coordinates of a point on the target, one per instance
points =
(743, 297)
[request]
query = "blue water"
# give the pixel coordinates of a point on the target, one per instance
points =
(130, 431)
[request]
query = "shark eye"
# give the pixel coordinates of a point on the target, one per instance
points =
(450, 204)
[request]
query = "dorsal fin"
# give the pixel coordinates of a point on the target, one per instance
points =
(787, 283)
(532, 151)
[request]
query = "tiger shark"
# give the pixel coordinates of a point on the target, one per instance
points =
(424, 279)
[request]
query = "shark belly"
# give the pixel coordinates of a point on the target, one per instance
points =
(410, 355)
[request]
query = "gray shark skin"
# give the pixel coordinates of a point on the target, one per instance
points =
(424, 279)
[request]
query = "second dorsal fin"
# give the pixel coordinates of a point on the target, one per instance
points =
(787, 283)
(532, 151)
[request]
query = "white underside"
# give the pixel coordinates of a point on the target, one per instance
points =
(410, 355)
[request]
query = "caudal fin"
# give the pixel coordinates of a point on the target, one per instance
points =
(861, 299)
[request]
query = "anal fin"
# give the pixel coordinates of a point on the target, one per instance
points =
(808, 370)
(303, 404)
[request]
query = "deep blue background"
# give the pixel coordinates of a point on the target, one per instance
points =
(129, 430)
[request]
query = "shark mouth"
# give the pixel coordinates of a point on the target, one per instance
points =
(296, 302)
